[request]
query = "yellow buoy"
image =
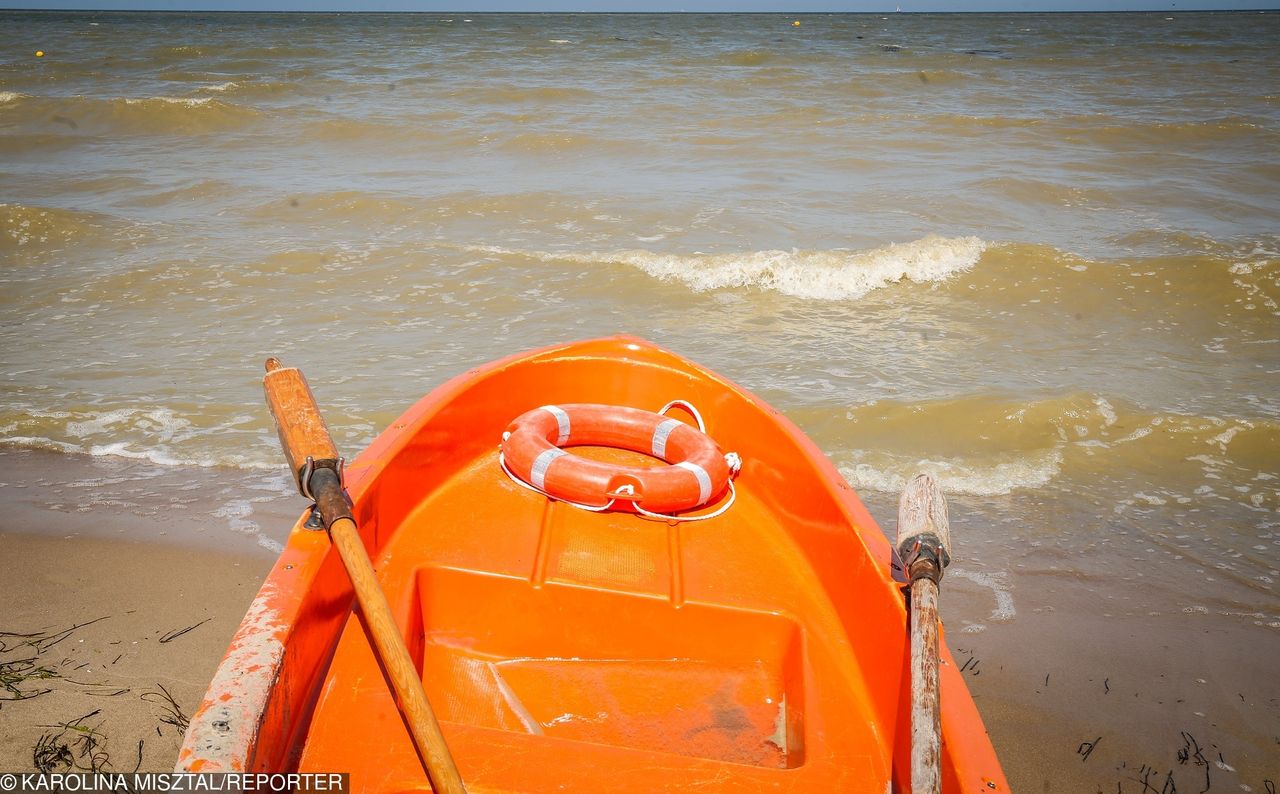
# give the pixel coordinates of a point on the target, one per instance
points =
(39, 53)
(796, 24)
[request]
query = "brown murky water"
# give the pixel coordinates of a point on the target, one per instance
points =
(1035, 254)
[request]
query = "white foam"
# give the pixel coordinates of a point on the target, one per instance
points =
(835, 274)
(1107, 411)
(273, 546)
(238, 512)
(124, 449)
(997, 584)
(172, 100)
(161, 419)
(227, 86)
(35, 442)
(157, 435)
(1224, 438)
(1141, 432)
(996, 479)
(10, 96)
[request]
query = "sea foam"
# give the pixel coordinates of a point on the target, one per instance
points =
(159, 436)
(835, 274)
(959, 477)
(170, 100)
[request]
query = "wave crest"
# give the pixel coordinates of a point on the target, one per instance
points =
(153, 115)
(813, 275)
(163, 436)
(986, 445)
(973, 478)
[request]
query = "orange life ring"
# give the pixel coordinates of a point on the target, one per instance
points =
(697, 471)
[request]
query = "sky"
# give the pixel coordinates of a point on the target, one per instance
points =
(782, 6)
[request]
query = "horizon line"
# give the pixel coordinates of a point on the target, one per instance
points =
(784, 13)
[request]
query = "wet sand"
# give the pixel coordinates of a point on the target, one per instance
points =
(1085, 689)
(103, 586)
(1076, 699)
(1079, 700)
(115, 673)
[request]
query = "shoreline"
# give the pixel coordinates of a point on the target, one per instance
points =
(123, 586)
(219, 510)
(1075, 698)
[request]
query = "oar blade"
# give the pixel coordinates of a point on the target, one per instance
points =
(924, 528)
(303, 433)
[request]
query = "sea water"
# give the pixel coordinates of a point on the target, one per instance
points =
(1035, 254)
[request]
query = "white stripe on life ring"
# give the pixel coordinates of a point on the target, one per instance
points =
(704, 480)
(538, 473)
(660, 435)
(562, 419)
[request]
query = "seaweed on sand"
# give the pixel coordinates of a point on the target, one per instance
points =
(73, 745)
(52, 754)
(41, 641)
(170, 712)
(176, 633)
(20, 671)
(14, 672)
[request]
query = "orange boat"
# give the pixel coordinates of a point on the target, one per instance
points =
(564, 649)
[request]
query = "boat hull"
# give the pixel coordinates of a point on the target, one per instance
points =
(765, 648)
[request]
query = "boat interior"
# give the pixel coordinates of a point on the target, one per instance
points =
(564, 649)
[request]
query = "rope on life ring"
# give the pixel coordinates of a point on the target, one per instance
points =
(696, 474)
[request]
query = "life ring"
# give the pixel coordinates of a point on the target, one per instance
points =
(697, 471)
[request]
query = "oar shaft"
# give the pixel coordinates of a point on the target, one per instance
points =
(926, 726)
(396, 660)
(924, 538)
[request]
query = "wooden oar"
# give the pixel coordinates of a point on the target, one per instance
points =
(924, 544)
(314, 460)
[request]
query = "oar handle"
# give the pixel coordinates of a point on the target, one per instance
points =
(396, 660)
(315, 463)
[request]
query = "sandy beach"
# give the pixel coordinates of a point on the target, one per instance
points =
(113, 619)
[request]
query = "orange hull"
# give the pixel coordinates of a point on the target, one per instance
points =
(563, 650)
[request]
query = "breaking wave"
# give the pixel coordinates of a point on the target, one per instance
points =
(814, 275)
(973, 478)
(987, 445)
(163, 436)
(156, 115)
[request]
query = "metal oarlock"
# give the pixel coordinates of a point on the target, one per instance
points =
(309, 469)
(314, 520)
(304, 478)
(927, 547)
(924, 534)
